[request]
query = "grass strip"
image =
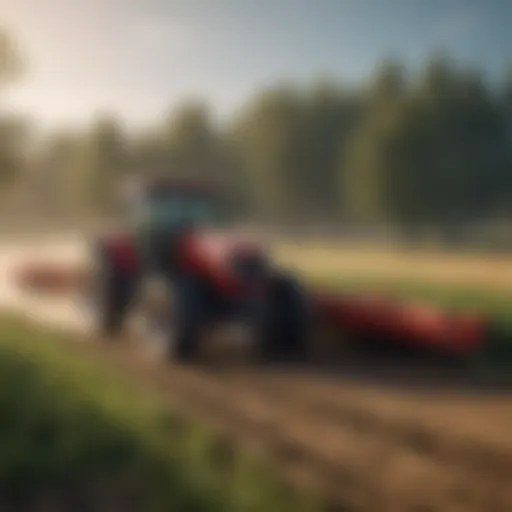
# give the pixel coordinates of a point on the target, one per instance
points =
(71, 429)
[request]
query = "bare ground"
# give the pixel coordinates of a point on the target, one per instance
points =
(390, 440)
(362, 447)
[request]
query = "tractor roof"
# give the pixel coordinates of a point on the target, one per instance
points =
(166, 184)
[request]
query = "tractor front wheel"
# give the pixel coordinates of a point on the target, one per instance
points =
(108, 295)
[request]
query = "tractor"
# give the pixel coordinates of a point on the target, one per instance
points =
(188, 276)
(178, 264)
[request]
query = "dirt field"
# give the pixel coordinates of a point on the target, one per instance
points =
(372, 439)
(366, 448)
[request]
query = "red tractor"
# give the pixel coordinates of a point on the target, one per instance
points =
(188, 277)
(193, 276)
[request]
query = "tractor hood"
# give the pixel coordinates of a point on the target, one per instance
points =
(221, 246)
(231, 260)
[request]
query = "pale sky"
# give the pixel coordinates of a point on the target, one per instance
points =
(139, 57)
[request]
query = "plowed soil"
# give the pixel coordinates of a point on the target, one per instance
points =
(380, 438)
(361, 446)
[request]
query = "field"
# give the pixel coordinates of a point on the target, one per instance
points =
(480, 282)
(401, 441)
(78, 433)
(111, 416)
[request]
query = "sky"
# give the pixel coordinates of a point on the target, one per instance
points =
(141, 57)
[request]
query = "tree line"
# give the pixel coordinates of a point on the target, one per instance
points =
(430, 148)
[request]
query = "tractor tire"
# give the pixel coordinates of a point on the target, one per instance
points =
(110, 293)
(289, 322)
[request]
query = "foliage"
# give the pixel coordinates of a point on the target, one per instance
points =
(12, 132)
(427, 150)
(422, 150)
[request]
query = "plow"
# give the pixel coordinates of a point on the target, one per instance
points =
(188, 277)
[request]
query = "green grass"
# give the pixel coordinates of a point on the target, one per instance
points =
(495, 303)
(68, 423)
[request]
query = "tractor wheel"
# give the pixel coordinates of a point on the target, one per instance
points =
(289, 322)
(167, 318)
(149, 319)
(108, 296)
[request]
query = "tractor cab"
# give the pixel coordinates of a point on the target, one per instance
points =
(188, 277)
(163, 212)
(164, 205)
